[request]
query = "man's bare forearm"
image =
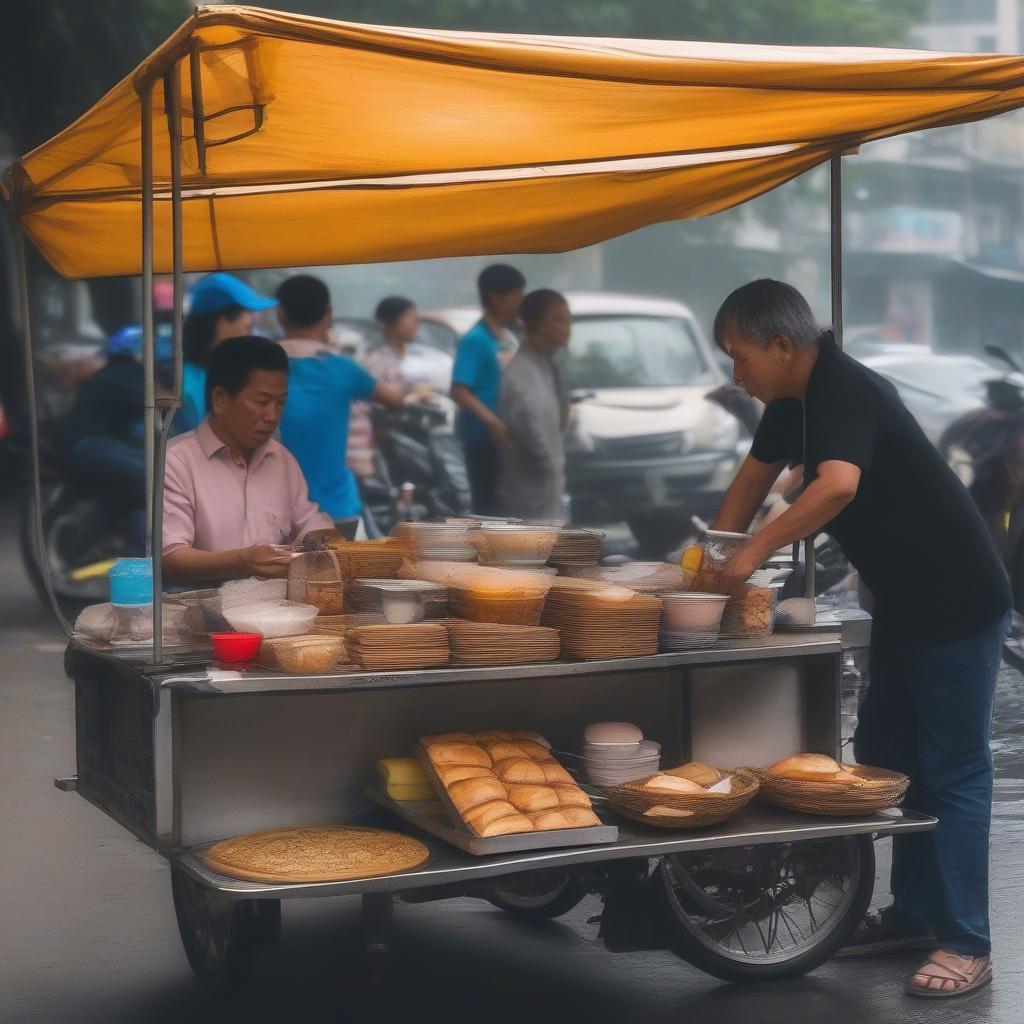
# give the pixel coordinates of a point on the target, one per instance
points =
(187, 565)
(745, 495)
(819, 504)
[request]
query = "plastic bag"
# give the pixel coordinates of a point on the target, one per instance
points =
(272, 618)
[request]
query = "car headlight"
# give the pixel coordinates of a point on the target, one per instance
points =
(960, 461)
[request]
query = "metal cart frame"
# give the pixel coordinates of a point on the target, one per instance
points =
(155, 753)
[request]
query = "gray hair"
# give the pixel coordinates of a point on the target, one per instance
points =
(762, 309)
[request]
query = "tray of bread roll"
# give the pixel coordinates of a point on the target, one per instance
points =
(502, 792)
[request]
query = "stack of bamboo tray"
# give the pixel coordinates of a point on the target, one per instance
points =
(577, 548)
(598, 621)
(391, 648)
(489, 643)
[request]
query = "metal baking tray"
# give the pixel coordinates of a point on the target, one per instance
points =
(515, 841)
(432, 817)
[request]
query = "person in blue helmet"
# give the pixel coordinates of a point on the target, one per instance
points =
(103, 433)
(221, 307)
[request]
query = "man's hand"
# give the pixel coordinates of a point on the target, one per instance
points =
(266, 560)
(741, 567)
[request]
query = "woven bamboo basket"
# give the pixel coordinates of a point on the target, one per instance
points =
(881, 790)
(705, 808)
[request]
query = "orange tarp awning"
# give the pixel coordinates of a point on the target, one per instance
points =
(309, 141)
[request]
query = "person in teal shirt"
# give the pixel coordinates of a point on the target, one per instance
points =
(476, 383)
(221, 307)
(321, 388)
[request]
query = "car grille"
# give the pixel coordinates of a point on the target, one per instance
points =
(647, 446)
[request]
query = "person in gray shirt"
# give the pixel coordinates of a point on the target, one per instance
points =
(534, 409)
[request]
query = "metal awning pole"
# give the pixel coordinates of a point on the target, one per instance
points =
(836, 243)
(149, 385)
(835, 216)
(169, 404)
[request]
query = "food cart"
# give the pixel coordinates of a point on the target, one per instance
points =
(256, 139)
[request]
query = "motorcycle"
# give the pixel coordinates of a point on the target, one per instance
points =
(419, 467)
(985, 448)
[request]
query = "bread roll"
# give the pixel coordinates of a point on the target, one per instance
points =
(508, 825)
(483, 814)
(672, 784)
(469, 793)
(494, 736)
(458, 753)
(534, 750)
(571, 796)
(580, 817)
(812, 767)
(664, 811)
(447, 737)
(520, 769)
(533, 737)
(702, 774)
(502, 750)
(457, 772)
(531, 798)
(554, 773)
(547, 821)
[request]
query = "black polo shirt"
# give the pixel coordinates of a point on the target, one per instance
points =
(912, 531)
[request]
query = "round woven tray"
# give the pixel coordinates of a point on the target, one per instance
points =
(316, 853)
(882, 789)
(705, 808)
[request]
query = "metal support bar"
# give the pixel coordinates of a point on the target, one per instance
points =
(835, 195)
(33, 425)
(148, 362)
(168, 405)
(836, 243)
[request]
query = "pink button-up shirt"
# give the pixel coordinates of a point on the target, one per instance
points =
(213, 503)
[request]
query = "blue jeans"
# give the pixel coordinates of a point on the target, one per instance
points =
(928, 714)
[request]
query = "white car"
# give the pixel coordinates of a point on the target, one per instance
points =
(646, 444)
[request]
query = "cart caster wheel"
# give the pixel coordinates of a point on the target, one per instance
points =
(537, 895)
(220, 935)
(762, 913)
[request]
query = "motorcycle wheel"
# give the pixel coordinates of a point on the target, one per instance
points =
(57, 523)
(537, 895)
(763, 913)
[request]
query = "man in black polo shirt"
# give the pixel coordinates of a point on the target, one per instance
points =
(942, 603)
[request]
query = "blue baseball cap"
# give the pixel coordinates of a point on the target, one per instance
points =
(219, 291)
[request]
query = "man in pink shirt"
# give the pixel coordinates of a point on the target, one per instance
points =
(233, 496)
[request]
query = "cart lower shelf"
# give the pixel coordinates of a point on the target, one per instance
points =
(449, 866)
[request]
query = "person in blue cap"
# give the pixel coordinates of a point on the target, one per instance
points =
(221, 307)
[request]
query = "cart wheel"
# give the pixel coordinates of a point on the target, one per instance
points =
(220, 935)
(760, 913)
(537, 895)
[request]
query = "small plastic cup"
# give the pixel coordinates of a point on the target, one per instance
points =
(235, 648)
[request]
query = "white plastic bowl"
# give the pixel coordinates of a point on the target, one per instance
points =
(692, 612)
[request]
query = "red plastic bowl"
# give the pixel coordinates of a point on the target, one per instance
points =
(236, 647)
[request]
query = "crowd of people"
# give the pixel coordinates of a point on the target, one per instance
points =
(303, 407)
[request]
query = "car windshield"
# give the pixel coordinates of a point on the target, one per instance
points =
(945, 375)
(634, 352)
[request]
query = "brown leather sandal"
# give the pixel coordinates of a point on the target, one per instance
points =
(957, 975)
